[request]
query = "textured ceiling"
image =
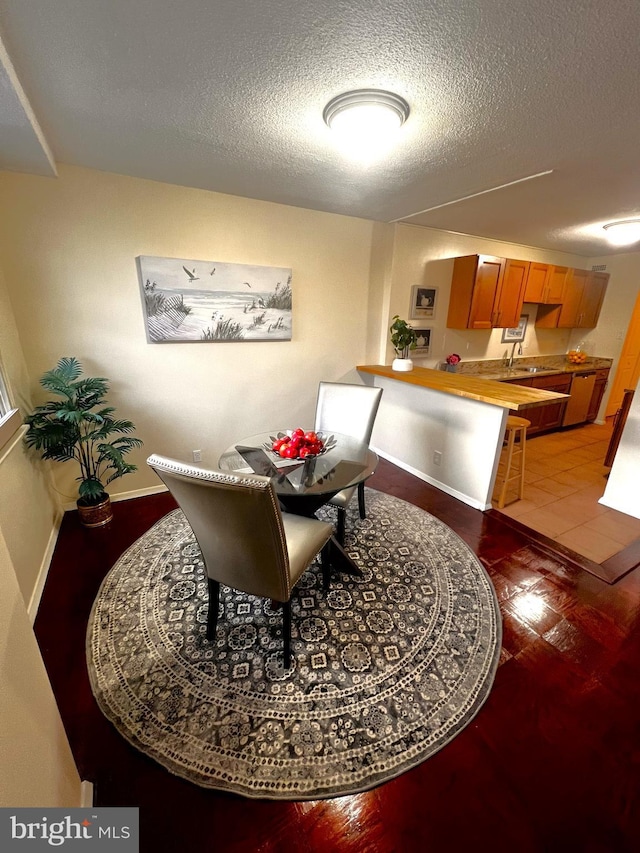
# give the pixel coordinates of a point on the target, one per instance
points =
(228, 96)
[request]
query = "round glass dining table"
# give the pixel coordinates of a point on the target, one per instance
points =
(303, 486)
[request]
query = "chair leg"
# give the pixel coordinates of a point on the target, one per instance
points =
(523, 441)
(342, 516)
(214, 605)
(507, 469)
(286, 632)
(326, 566)
(361, 506)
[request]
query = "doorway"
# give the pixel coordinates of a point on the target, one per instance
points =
(628, 370)
(565, 477)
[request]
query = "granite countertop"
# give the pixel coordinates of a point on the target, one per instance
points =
(529, 367)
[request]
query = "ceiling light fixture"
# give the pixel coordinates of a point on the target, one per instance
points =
(365, 120)
(623, 233)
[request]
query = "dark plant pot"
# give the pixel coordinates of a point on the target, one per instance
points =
(95, 515)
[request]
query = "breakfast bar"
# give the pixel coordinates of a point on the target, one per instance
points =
(447, 428)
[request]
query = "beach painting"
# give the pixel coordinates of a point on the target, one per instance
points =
(190, 301)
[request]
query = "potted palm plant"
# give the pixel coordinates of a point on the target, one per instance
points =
(403, 340)
(80, 426)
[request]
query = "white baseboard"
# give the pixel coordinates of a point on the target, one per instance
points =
(127, 496)
(36, 595)
(86, 794)
(466, 499)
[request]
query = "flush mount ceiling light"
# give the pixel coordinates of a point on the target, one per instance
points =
(623, 233)
(364, 120)
(373, 108)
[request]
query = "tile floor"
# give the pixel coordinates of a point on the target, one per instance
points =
(564, 478)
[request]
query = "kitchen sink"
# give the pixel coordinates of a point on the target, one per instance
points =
(537, 369)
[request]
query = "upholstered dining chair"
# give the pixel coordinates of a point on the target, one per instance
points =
(245, 540)
(352, 410)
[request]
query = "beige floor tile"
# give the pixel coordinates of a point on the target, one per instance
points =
(589, 543)
(574, 478)
(548, 467)
(593, 492)
(532, 476)
(575, 509)
(546, 521)
(623, 530)
(560, 490)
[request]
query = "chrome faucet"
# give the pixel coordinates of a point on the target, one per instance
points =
(513, 349)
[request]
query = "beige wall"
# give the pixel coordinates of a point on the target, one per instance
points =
(29, 511)
(36, 765)
(423, 256)
(69, 247)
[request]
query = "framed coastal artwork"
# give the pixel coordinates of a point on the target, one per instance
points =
(191, 301)
(423, 343)
(423, 302)
(517, 333)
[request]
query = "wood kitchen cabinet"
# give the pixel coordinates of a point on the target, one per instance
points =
(545, 283)
(580, 305)
(592, 299)
(544, 418)
(486, 292)
(602, 377)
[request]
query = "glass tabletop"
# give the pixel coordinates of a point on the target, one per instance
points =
(345, 462)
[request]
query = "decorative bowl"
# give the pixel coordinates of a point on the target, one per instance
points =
(305, 449)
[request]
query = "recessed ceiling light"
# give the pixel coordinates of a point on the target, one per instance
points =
(623, 233)
(365, 120)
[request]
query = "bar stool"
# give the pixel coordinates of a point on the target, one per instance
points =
(515, 436)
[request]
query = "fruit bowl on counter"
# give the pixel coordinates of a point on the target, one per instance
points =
(576, 356)
(299, 443)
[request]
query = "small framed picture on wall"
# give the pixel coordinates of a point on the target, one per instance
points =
(423, 302)
(423, 342)
(517, 333)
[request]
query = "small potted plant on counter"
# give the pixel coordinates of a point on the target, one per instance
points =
(80, 426)
(403, 340)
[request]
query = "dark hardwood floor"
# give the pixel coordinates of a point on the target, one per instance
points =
(551, 762)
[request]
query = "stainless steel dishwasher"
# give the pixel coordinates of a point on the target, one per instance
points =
(582, 385)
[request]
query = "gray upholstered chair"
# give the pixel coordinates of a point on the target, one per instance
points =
(352, 410)
(246, 542)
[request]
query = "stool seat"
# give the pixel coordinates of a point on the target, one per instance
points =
(514, 421)
(515, 436)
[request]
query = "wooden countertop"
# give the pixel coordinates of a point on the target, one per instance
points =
(490, 391)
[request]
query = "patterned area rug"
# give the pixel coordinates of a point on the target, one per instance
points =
(386, 668)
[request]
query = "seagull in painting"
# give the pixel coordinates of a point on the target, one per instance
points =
(247, 283)
(212, 271)
(192, 275)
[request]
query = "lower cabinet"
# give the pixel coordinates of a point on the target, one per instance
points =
(544, 418)
(602, 377)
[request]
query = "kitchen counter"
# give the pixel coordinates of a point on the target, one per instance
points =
(447, 428)
(484, 388)
(544, 366)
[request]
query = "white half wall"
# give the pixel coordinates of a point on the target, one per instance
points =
(413, 423)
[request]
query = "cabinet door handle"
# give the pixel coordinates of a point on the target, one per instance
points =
(498, 315)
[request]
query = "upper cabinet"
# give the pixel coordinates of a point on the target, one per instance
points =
(545, 283)
(486, 292)
(580, 303)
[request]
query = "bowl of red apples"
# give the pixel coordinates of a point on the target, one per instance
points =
(298, 444)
